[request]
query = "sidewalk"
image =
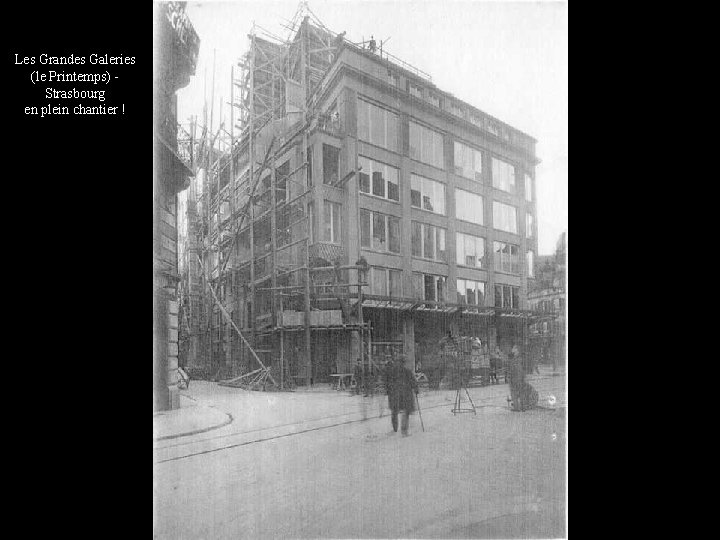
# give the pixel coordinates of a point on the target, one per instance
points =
(191, 418)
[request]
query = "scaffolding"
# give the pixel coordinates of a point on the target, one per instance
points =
(249, 290)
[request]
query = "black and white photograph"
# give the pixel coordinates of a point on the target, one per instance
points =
(360, 269)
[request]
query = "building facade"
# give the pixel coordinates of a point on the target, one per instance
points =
(176, 47)
(436, 197)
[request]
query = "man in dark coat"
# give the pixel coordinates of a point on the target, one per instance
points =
(401, 390)
(523, 395)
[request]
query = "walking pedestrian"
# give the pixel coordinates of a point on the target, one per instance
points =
(401, 390)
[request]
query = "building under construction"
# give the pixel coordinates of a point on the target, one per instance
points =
(352, 210)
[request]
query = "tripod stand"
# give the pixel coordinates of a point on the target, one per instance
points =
(458, 395)
(457, 408)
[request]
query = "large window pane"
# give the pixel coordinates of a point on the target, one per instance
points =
(461, 296)
(331, 164)
(469, 206)
(431, 194)
(415, 191)
(364, 174)
(395, 279)
(503, 175)
(379, 179)
(416, 239)
(529, 225)
(415, 141)
(440, 289)
(379, 281)
(365, 228)
(377, 126)
(504, 217)
(426, 145)
(429, 287)
(378, 184)
(418, 285)
(393, 187)
(498, 295)
(429, 242)
(378, 222)
(440, 251)
(394, 233)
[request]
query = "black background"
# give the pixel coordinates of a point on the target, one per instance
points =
(73, 363)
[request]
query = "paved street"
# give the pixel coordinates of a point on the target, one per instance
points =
(323, 464)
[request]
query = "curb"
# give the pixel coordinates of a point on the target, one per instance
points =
(196, 431)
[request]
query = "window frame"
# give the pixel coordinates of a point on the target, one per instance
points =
(436, 234)
(336, 236)
(481, 205)
(474, 153)
(435, 277)
(386, 183)
(475, 282)
(386, 271)
(483, 260)
(423, 194)
(386, 112)
(386, 220)
(513, 289)
(499, 226)
(419, 153)
(496, 178)
(505, 263)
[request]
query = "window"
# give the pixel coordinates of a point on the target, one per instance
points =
(507, 296)
(429, 287)
(504, 217)
(393, 78)
(331, 164)
(427, 194)
(507, 257)
(470, 250)
(426, 145)
(379, 231)
(377, 126)
(529, 225)
(434, 99)
(469, 206)
(468, 162)
(530, 264)
(415, 90)
(332, 222)
(379, 179)
(386, 281)
(428, 242)
(528, 188)
(503, 175)
(470, 292)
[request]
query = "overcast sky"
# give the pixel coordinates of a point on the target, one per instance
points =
(509, 59)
